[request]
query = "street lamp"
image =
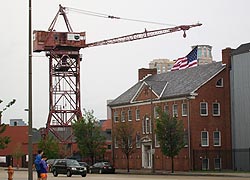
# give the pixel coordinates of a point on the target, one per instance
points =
(189, 133)
(30, 162)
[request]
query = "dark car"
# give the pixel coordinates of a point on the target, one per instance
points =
(102, 167)
(69, 167)
(85, 165)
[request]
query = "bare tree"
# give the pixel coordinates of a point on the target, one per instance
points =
(123, 133)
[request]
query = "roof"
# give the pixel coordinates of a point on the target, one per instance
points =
(172, 84)
(18, 137)
(243, 48)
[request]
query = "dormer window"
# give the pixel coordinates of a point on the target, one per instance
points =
(219, 83)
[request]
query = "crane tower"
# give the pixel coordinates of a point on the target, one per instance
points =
(62, 49)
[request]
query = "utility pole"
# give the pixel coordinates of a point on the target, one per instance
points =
(30, 154)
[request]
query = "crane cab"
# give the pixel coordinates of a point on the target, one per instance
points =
(49, 40)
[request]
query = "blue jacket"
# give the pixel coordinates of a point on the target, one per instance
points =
(38, 162)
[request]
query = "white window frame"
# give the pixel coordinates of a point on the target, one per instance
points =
(156, 114)
(221, 85)
(130, 142)
(138, 141)
(201, 108)
(137, 114)
(217, 139)
(184, 109)
(207, 164)
(215, 167)
(123, 116)
(115, 142)
(175, 110)
(185, 138)
(157, 143)
(218, 110)
(116, 117)
(166, 109)
(129, 115)
(202, 139)
(146, 125)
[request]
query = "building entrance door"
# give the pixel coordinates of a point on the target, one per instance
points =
(146, 156)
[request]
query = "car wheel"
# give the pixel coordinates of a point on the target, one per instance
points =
(69, 173)
(100, 171)
(55, 173)
(84, 175)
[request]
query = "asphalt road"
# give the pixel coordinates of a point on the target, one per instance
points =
(23, 175)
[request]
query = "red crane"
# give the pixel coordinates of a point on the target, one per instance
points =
(62, 49)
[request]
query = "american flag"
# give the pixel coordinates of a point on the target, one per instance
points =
(186, 62)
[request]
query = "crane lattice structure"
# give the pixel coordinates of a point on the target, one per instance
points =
(62, 49)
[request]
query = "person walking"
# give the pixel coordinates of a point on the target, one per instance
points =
(44, 168)
(37, 162)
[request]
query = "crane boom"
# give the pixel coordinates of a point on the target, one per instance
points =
(63, 51)
(143, 35)
(49, 40)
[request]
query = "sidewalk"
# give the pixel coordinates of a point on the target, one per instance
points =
(180, 173)
(176, 173)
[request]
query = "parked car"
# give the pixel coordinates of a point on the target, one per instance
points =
(69, 167)
(85, 165)
(102, 167)
(50, 163)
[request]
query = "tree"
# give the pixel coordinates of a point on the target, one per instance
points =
(89, 137)
(4, 140)
(50, 147)
(125, 140)
(170, 133)
(17, 153)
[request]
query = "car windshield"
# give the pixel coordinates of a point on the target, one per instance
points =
(106, 163)
(73, 162)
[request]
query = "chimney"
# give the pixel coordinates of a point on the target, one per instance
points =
(143, 72)
(226, 56)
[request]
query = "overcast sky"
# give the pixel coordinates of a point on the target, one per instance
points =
(108, 71)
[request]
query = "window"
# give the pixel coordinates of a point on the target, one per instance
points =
(116, 118)
(199, 53)
(123, 116)
(175, 110)
(130, 145)
(217, 163)
(146, 126)
(138, 141)
(219, 83)
(217, 138)
(205, 164)
(166, 109)
(157, 143)
(216, 109)
(204, 139)
(203, 109)
(109, 146)
(137, 114)
(115, 142)
(129, 115)
(156, 114)
(185, 138)
(184, 109)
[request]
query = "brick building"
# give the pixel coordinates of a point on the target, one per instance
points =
(19, 143)
(200, 96)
